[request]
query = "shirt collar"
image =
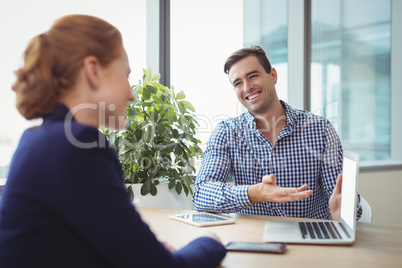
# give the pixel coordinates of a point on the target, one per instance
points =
(250, 119)
(59, 113)
(290, 116)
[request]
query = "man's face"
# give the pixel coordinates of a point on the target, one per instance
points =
(254, 87)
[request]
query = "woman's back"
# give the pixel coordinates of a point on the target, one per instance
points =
(52, 183)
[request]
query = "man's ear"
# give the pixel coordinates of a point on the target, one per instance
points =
(274, 75)
(92, 70)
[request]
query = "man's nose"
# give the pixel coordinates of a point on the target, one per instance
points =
(247, 86)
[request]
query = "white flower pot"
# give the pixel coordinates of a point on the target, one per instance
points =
(164, 198)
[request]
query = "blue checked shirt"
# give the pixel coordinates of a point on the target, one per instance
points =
(307, 150)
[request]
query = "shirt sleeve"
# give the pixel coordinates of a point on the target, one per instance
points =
(201, 252)
(332, 162)
(212, 193)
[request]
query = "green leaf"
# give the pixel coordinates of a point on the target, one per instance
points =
(192, 168)
(112, 138)
(182, 107)
(134, 89)
(149, 76)
(180, 95)
(146, 94)
(170, 147)
(134, 125)
(175, 133)
(153, 189)
(151, 89)
(188, 105)
(157, 101)
(172, 117)
(160, 130)
(127, 176)
(154, 170)
(178, 150)
(178, 188)
(131, 112)
(146, 188)
(156, 77)
(145, 71)
(159, 86)
(142, 175)
(130, 192)
(149, 134)
(139, 89)
(171, 184)
(185, 189)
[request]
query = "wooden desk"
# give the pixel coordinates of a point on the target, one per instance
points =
(375, 246)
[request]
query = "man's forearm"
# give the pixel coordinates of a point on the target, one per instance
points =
(254, 193)
(220, 197)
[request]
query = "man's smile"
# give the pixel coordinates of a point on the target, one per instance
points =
(255, 95)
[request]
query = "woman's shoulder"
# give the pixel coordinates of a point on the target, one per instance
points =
(51, 150)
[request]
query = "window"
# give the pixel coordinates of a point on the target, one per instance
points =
(203, 34)
(349, 64)
(22, 20)
(351, 72)
(335, 57)
(266, 25)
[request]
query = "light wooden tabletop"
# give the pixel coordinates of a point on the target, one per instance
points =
(375, 246)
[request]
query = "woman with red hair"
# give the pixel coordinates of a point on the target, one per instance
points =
(65, 204)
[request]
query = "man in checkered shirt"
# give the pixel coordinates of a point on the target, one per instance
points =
(283, 161)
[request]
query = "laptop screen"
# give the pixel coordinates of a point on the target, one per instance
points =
(349, 192)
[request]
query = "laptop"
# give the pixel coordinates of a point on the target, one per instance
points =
(341, 232)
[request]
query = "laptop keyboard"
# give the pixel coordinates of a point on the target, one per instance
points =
(319, 230)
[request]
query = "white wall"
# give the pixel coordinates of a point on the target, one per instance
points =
(382, 190)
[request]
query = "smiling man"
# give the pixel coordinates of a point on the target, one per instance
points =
(283, 161)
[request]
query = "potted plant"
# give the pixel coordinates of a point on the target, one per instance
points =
(159, 140)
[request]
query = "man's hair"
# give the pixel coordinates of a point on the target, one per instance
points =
(242, 53)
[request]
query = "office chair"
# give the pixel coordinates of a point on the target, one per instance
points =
(367, 215)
